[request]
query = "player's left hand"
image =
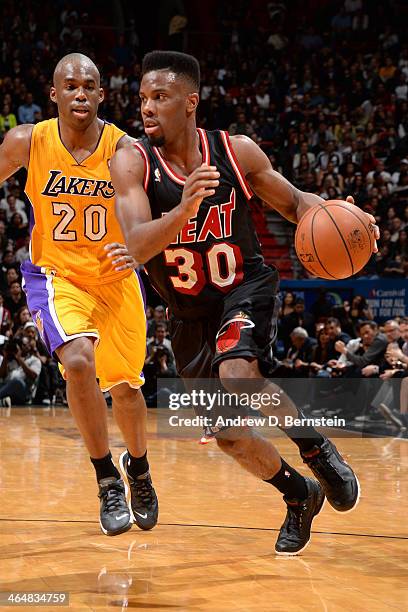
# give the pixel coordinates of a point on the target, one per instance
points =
(373, 223)
(121, 260)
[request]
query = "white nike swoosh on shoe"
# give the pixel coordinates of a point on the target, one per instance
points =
(119, 518)
(144, 516)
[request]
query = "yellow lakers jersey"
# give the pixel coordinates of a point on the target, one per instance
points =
(73, 206)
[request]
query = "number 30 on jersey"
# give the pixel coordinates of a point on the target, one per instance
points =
(224, 268)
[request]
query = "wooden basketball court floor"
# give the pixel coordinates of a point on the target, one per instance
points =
(213, 547)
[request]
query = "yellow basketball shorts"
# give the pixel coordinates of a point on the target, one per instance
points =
(113, 313)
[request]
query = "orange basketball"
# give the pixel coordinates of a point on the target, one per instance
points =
(334, 240)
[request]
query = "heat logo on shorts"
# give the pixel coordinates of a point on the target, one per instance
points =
(229, 335)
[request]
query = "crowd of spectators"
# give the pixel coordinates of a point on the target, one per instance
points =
(342, 345)
(324, 91)
(339, 346)
(325, 94)
(322, 87)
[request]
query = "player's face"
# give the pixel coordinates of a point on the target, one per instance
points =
(166, 105)
(77, 93)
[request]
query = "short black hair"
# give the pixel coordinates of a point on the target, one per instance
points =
(334, 320)
(370, 323)
(179, 63)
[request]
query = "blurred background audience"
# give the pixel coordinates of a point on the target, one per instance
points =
(322, 88)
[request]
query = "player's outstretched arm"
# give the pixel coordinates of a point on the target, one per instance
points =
(145, 237)
(273, 188)
(15, 150)
(269, 185)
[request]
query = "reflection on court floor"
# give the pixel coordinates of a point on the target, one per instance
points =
(213, 547)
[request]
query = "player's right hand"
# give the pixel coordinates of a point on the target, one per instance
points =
(201, 184)
(121, 260)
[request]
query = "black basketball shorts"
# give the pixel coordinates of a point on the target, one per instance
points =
(244, 325)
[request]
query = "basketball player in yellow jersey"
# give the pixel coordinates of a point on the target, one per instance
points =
(89, 314)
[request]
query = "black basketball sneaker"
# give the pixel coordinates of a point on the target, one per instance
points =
(141, 496)
(114, 513)
(294, 534)
(338, 480)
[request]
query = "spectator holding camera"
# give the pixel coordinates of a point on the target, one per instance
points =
(50, 379)
(159, 317)
(20, 370)
(159, 363)
(159, 342)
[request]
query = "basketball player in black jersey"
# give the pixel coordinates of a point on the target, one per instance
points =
(182, 202)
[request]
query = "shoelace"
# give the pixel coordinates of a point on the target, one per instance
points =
(294, 518)
(325, 468)
(112, 496)
(328, 471)
(144, 491)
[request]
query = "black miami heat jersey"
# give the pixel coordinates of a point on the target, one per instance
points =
(215, 251)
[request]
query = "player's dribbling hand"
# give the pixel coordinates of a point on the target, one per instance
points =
(121, 260)
(199, 185)
(373, 222)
